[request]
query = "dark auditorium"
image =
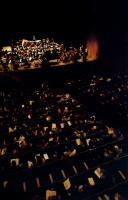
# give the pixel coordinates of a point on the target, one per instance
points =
(64, 103)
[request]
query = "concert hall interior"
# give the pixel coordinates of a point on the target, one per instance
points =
(64, 100)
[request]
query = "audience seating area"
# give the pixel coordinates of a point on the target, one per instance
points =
(64, 142)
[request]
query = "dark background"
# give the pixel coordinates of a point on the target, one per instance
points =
(65, 18)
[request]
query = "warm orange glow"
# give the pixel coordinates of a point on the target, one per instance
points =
(92, 49)
(7, 48)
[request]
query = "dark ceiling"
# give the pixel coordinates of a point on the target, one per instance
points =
(64, 18)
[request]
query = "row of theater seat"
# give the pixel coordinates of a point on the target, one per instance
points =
(89, 183)
(61, 151)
